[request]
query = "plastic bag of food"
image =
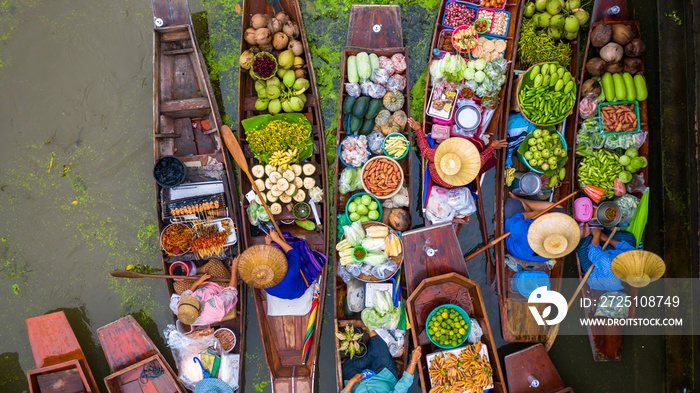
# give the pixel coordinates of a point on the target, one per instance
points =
(438, 209)
(637, 183)
(353, 89)
(385, 63)
(499, 64)
(375, 140)
(588, 107)
(481, 90)
(380, 76)
(375, 258)
(349, 180)
(185, 349)
(462, 201)
(396, 83)
(622, 141)
(627, 204)
(354, 233)
(355, 269)
(364, 87)
(394, 339)
(612, 305)
(383, 314)
(367, 269)
(476, 332)
(376, 91)
(343, 274)
(399, 61)
(356, 294)
(385, 270)
(373, 244)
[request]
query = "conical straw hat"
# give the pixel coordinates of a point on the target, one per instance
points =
(457, 161)
(638, 268)
(553, 235)
(262, 266)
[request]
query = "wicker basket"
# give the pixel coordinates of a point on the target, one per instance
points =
(520, 82)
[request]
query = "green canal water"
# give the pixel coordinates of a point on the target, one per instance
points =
(77, 198)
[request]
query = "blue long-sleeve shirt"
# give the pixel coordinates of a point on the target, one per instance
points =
(292, 285)
(602, 277)
(516, 243)
(384, 382)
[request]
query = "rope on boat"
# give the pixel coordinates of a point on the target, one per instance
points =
(150, 371)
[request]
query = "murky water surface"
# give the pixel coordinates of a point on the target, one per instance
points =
(76, 194)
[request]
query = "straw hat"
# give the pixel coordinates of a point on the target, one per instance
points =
(262, 266)
(638, 268)
(188, 309)
(457, 161)
(217, 269)
(553, 235)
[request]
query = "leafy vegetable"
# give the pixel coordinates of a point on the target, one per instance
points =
(372, 244)
(375, 258)
(451, 67)
(354, 233)
(383, 314)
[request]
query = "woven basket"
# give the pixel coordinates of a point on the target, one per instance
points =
(517, 96)
(262, 266)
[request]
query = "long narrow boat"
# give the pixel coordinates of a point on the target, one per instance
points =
(436, 275)
(532, 371)
(517, 323)
(284, 337)
(388, 42)
(129, 352)
(182, 100)
(606, 341)
(60, 362)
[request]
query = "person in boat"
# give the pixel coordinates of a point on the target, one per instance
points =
(205, 303)
(486, 153)
(589, 252)
(294, 284)
(554, 235)
(381, 363)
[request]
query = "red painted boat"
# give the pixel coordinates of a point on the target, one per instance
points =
(133, 358)
(532, 371)
(60, 362)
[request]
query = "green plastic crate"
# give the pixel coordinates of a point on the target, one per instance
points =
(636, 111)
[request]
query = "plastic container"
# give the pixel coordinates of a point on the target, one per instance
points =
(359, 250)
(169, 171)
(494, 18)
(469, 5)
(488, 25)
(461, 312)
(463, 27)
(524, 161)
(408, 146)
(340, 151)
(583, 209)
(188, 267)
(636, 111)
(440, 132)
(232, 333)
(359, 194)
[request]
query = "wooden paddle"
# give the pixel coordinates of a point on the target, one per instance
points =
(609, 238)
(496, 241)
(235, 149)
(133, 274)
(554, 330)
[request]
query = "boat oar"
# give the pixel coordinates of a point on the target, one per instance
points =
(133, 274)
(609, 238)
(235, 148)
(496, 241)
(552, 334)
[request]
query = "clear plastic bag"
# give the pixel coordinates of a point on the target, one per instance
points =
(353, 89)
(481, 90)
(185, 349)
(462, 201)
(438, 209)
(499, 64)
(385, 270)
(385, 63)
(394, 339)
(367, 269)
(612, 305)
(476, 332)
(356, 295)
(637, 183)
(376, 91)
(343, 274)
(587, 108)
(623, 141)
(399, 62)
(364, 87)
(349, 180)
(396, 83)
(375, 140)
(627, 204)
(380, 76)
(355, 269)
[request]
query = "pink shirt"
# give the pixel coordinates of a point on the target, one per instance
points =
(215, 302)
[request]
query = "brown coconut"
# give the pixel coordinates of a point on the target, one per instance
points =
(601, 35)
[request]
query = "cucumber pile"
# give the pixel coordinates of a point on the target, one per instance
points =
(547, 94)
(362, 110)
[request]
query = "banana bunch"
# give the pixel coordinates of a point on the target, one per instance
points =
(510, 176)
(282, 159)
(393, 245)
(284, 92)
(344, 251)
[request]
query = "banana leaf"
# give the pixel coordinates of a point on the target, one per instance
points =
(306, 149)
(639, 219)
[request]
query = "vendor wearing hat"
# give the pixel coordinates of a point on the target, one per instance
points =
(457, 161)
(205, 303)
(589, 251)
(550, 236)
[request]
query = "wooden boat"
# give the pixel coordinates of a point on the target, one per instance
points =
(129, 352)
(606, 341)
(387, 43)
(283, 338)
(60, 362)
(183, 97)
(517, 323)
(441, 279)
(530, 365)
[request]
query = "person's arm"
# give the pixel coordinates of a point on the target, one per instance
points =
(355, 379)
(596, 232)
(199, 282)
(427, 151)
(275, 237)
(406, 380)
(234, 273)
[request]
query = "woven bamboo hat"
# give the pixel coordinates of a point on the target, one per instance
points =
(553, 235)
(188, 309)
(638, 268)
(457, 161)
(262, 266)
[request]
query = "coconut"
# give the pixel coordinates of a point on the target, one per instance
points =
(280, 40)
(263, 36)
(275, 25)
(601, 35)
(611, 52)
(267, 48)
(298, 62)
(614, 68)
(582, 15)
(622, 34)
(286, 59)
(571, 24)
(249, 36)
(282, 16)
(632, 65)
(291, 29)
(595, 66)
(259, 20)
(591, 88)
(246, 60)
(635, 48)
(300, 73)
(296, 47)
